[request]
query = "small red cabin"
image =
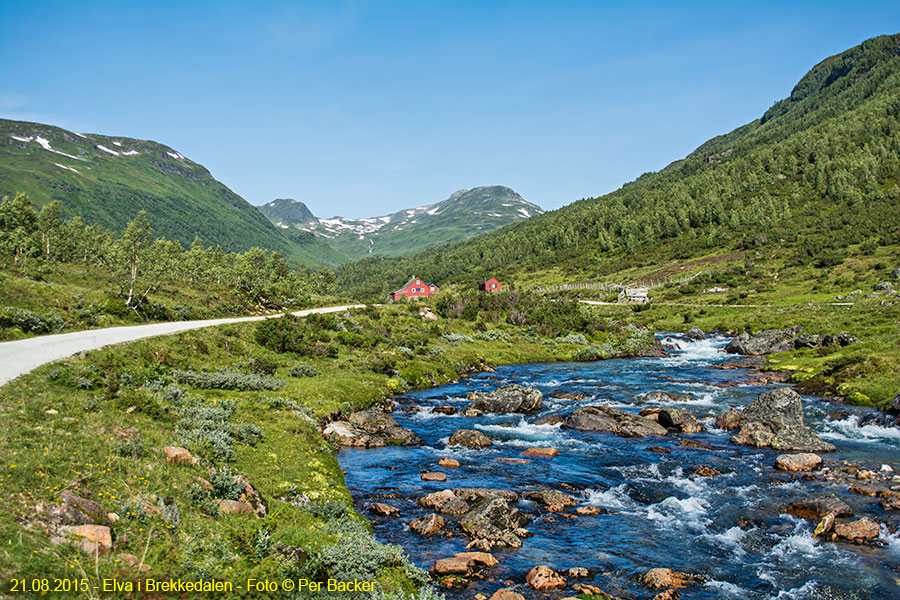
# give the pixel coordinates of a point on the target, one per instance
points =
(433, 287)
(414, 288)
(490, 285)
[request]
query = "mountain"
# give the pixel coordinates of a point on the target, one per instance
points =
(107, 180)
(816, 173)
(464, 214)
(286, 211)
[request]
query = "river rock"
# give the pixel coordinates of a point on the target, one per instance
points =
(817, 508)
(775, 419)
(509, 399)
(505, 594)
(891, 503)
(444, 410)
(436, 500)
(370, 429)
(540, 452)
(591, 510)
(578, 572)
(428, 525)
(679, 420)
(660, 579)
(554, 500)
(764, 342)
(544, 578)
(463, 563)
(384, 509)
(858, 531)
(550, 420)
(434, 476)
(470, 439)
(695, 333)
(470, 412)
(448, 463)
(660, 398)
(613, 420)
(730, 419)
(798, 462)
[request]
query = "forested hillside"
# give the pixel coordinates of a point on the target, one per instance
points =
(108, 180)
(818, 172)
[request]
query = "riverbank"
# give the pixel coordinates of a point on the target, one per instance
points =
(98, 429)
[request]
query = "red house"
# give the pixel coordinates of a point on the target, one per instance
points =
(490, 285)
(414, 288)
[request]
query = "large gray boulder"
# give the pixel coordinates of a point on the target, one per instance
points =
(764, 342)
(679, 420)
(695, 333)
(613, 420)
(370, 429)
(509, 399)
(775, 420)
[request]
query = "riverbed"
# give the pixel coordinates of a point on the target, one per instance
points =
(728, 528)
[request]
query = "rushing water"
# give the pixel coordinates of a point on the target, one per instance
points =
(728, 528)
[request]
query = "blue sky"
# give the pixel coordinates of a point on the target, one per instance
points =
(364, 108)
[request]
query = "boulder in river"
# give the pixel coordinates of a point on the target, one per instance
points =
(775, 420)
(427, 525)
(613, 420)
(695, 333)
(434, 476)
(895, 403)
(448, 463)
(661, 579)
(764, 342)
(540, 452)
(679, 420)
(554, 500)
(370, 429)
(804, 461)
(505, 594)
(660, 398)
(384, 509)
(464, 563)
(544, 578)
(730, 419)
(858, 531)
(508, 399)
(444, 410)
(817, 508)
(470, 439)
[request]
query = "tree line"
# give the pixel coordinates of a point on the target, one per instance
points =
(140, 263)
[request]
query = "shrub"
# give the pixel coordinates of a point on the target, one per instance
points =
(492, 335)
(132, 448)
(32, 322)
(261, 365)
(357, 555)
(587, 355)
(228, 379)
(304, 371)
(573, 338)
(455, 339)
(224, 484)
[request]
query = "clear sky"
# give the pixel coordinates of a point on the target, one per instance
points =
(363, 108)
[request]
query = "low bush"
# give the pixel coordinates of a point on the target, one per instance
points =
(228, 379)
(32, 322)
(304, 371)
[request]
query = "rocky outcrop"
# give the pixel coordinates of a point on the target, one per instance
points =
(764, 342)
(679, 421)
(817, 508)
(490, 518)
(470, 439)
(370, 429)
(613, 420)
(775, 420)
(804, 461)
(509, 399)
(543, 578)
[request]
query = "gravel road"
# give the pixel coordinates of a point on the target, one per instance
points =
(22, 356)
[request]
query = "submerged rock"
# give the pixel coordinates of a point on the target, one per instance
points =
(775, 420)
(509, 399)
(613, 420)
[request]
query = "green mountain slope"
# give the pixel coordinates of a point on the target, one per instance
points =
(464, 214)
(107, 180)
(815, 175)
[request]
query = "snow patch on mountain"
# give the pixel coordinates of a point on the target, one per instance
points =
(105, 149)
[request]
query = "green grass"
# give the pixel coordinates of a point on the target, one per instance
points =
(77, 447)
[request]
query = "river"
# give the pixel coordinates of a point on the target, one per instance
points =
(728, 528)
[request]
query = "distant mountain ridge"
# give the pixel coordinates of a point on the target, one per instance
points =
(108, 179)
(464, 214)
